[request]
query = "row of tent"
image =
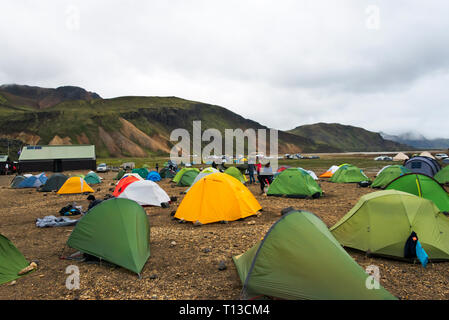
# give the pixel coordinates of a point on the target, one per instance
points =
(298, 258)
(55, 182)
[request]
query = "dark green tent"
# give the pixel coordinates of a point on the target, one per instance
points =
(442, 176)
(181, 172)
(116, 230)
(143, 172)
(295, 183)
(381, 222)
(92, 178)
(388, 174)
(422, 186)
(348, 174)
(120, 174)
(300, 259)
(12, 261)
(54, 183)
(187, 178)
(16, 181)
(167, 173)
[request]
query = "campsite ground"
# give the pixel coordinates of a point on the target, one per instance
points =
(185, 270)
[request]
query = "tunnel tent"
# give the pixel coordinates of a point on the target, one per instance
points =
(12, 261)
(388, 174)
(423, 165)
(116, 230)
(381, 222)
(298, 259)
(422, 186)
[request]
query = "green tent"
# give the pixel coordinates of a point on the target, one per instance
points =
(295, 183)
(79, 175)
(388, 174)
(300, 259)
(54, 183)
(116, 230)
(12, 261)
(181, 172)
(382, 221)
(120, 174)
(16, 181)
(422, 186)
(166, 173)
(348, 174)
(143, 172)
(236, 173)
(92, 178)
(442, 176)
(187, 178)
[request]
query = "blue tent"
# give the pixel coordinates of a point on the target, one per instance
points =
(33, 181)
(423, 165)
(154, 176)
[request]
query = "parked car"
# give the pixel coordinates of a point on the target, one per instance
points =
(441, 156)
(383, 158)
(102, 167)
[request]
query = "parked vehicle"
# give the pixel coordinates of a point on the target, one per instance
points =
(102, 167)
(441, 156)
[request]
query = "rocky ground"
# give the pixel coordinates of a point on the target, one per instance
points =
(184, 262)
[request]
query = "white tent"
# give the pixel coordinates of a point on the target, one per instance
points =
(312, 174)
(400, 157)
(145, 193)
(427, 154)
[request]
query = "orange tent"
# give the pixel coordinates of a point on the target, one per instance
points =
(123, 183)
(75, 185)
(217, 197)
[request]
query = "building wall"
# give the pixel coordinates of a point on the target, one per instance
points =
(49, 165)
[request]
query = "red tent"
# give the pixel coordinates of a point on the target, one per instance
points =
(123, 183)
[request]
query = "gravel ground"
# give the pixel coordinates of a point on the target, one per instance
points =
(184, 270)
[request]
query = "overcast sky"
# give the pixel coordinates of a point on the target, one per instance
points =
(381, 65)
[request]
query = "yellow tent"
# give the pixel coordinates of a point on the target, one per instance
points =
(217, 197)
(75, 185)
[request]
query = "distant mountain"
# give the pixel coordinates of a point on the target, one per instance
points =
(418, 141)
(41, 98)
(348, 138)
(119, 127)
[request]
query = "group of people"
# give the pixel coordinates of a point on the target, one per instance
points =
(264, 174)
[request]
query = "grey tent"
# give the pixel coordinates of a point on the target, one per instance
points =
(54, 183)
(423, 165)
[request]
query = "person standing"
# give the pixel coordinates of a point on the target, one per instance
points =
(251, 170)
(6, 168)
(157, 167)
(265, 177)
